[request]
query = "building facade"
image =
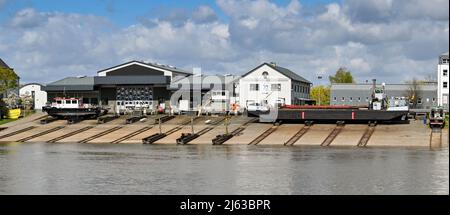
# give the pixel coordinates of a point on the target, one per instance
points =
(442, 80)
(211, 93)
(35, 93)
(269, 84)
(360, 94)
(123, 86)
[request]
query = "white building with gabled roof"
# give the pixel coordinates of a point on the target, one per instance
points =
(442, 79)
(272, 85)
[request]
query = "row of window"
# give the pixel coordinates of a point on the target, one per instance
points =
(445, 60)
(273, 87)
(299, 88)
(350, 99)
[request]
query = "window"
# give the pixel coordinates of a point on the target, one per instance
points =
(445, 72)
(351, 98)
(367, 99)
(334, 99)
(254, 87)
(265, 74)
(445, 84)
(434, 99)
(359, 99)
(343, 98)
(74, 102)
(419, 100)
(276, 87)
(59, 102)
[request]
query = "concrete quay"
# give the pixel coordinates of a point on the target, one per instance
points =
(414, 134)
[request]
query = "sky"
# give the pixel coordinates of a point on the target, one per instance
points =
(390, 40)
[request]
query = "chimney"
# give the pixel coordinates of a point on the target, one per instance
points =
(273, 63)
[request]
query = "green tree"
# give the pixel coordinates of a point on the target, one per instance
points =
(322, 94)
(414, 91)
(342, 76)
(8, 79)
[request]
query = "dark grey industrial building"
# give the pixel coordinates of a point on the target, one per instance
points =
(131, 81)
(359, 94)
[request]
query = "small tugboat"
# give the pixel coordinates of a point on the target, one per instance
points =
(71, 108)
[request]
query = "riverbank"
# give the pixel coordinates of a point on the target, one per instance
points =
(30, 129)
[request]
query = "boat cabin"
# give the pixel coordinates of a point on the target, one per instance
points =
(67, 103)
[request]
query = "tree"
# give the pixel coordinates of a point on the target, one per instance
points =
(342, 76)
(324, 92)
(413, 92)
(8, 79)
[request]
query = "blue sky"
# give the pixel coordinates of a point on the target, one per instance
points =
(125, 13)
(391, 40)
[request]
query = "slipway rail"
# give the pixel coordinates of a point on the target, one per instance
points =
(366, 136)
(436, 137)
(54, 140)
(101, 134)
(220, 139)
(128, 136)
(157, 136)
(41, 134)
(333, 135)
(263, 135)
(297, 135)
(186, 138)
(48, 120)
(17, 132)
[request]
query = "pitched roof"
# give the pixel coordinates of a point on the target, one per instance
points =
(3, 64)
(288, 73)
(160, 66)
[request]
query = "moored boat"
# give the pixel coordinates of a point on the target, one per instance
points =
(65, 108)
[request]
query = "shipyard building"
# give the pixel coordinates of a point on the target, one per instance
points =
(129, 85)
(360, 94)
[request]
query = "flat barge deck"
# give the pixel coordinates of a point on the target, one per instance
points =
(348, 115)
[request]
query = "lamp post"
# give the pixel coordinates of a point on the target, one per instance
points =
(319, 77)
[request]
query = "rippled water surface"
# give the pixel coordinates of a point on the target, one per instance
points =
(42, 168)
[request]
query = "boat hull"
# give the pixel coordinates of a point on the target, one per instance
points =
(347, 115)
(65, 113)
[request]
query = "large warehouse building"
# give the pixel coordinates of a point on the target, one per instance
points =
(130, 84)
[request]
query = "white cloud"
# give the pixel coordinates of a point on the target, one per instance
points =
(385, 41)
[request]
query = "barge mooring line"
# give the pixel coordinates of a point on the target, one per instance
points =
(54, 140)
(297, 135)
(263, 135)
(41, 133)
(17, 132)
(332, 135)
(101, 134)
(366, 136)
(128, 136)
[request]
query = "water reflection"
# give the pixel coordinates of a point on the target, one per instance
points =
(40, 168)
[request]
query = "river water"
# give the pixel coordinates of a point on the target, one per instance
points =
(42, 168)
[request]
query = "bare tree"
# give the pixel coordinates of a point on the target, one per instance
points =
(414, 91)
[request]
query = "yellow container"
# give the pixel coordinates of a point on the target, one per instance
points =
(13, 114)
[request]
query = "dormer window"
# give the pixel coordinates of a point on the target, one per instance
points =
(265, 74)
